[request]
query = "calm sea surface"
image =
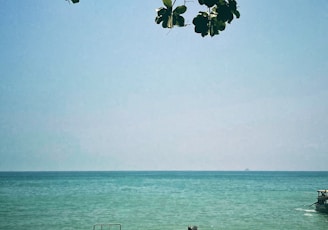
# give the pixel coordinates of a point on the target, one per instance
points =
(161, 200)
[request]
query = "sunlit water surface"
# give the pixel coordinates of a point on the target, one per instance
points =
(161, 200)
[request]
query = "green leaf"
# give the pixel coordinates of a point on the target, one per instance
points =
(180, 9)
(224, 13)
(208, 3)
(236, 12)
(201, 23)
(158, 19)
(167, 3)
(217, 25)
(201, 2)
(232, 5)
(165, 22)
(178, 20)
(161, 11)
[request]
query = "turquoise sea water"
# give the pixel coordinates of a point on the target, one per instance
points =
(161, 200)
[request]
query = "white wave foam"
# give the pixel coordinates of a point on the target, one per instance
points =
(308, 214)
(305, 210)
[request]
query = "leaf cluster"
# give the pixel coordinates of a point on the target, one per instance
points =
(210, 23)
(219, 13)
(169, 17)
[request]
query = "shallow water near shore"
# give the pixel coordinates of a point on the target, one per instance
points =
(161, 200)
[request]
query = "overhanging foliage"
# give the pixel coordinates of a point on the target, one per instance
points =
(210, 23)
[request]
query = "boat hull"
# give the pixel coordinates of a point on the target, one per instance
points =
(322, 208)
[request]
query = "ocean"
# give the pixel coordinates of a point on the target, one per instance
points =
(168, 200)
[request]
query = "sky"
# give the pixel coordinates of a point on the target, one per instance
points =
(99, 85)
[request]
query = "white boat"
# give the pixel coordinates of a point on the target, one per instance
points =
(322, 204)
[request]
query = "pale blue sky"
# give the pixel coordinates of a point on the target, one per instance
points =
(99, 86)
